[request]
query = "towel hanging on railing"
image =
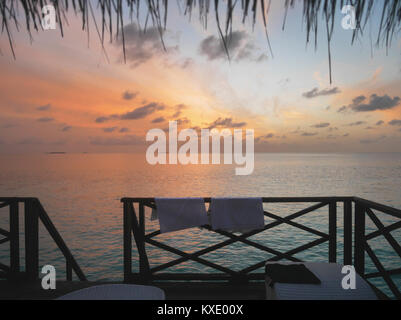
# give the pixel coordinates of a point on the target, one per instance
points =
(237, 214)
(180, 213)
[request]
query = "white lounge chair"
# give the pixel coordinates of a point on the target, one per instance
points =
(116, 292)
(330, 287)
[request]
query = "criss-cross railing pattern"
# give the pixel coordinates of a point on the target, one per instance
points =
(363, 209)
(12, 236)
(33, 213)
(136, 225)
(354, 240)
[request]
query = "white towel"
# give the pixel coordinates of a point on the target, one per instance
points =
(237, 214)
(180, 213)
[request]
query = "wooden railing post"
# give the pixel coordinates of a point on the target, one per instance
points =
(142, 218)
(31, 240)
(68, 271)
(333, 231)
(127, 242)
(14, 238)
(51, 229)
(139, 236)
(347, 232)
(359, 250)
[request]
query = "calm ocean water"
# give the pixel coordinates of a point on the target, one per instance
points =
(81, 194)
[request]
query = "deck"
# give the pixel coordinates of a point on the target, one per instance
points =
(173, 290)
(353, 214)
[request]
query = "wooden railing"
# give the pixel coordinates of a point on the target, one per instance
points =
(354, 240)
(364, 209)
(33, 213)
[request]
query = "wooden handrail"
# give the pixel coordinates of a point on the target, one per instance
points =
(34, 212)
(363, 209)
(378, 206)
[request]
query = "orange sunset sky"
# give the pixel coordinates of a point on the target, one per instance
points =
(65, 94)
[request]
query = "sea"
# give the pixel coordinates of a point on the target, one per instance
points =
(81, 193)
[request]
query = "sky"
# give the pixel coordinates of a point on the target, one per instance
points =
(67, 94)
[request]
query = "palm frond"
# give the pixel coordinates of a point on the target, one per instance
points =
(156, 11)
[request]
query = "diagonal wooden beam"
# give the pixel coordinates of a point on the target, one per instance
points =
(255, 244)
(188, 256)
(383, 271)
(4, 232)
(288, 253)
(140, 242)
(389, 228)
(4, 240)
(394, 244)
(378, 274)
(4, 267)
(302, 248)
(266, 227)
(152, 234)
(51, 229)
(199, 252)
(243, 238)
(4, 204)
(379, 207)
(295, 224)
(296, 215)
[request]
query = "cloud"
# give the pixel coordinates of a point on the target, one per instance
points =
(44, 107)
(158, 120)
(284, 82)
(45, 119)
(266, 137)
(357, 123)
(123, 130)
(395, 122)
(227, 123)
(129, 95)
(182, 121)
(369, 141)
(262, 57)
(102, 119)
(308, 134)
(321, 125)
(342, 109)
(360, 104)
(379, 123)
(30, 140)
(188, 62)
(239, 47)
(142, 112)
(142, 45)
(315, 92)
(8, 125)
(66, 128)
(110, 129)
(138, 113)
(120, 141)
(179, 109)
